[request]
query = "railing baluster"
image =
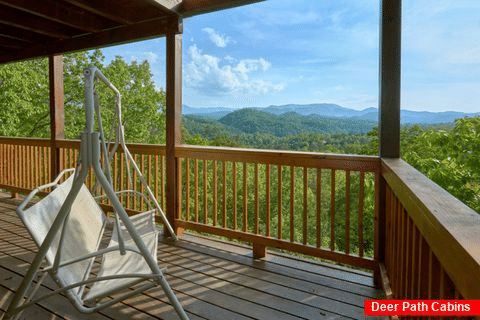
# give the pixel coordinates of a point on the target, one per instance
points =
(318, 192)
(245, 199)
(234, 200)
(29, 168)
(50, 169)
(361, 199)
(224, 193)
(162, 181)
(424, 257)
(179, 188)
(215, 196)
(414, 262)
(12, 166)
(408, 259)
(292, 204)
(347, 212)
(122, 179)
(155, 178)
(19, 162)
(332, 209)
(142, 169)
(434, 282)
(116, 184)
(150, 174)
(305, 205)
(135, 185)
(267, 200)
(279, 202)
(205, 194)
(195, 191)
(256, 208)
(187, 189)
(47, 166)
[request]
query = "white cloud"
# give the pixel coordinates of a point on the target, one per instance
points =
(213, 76)
(219, 40)
(152, 57)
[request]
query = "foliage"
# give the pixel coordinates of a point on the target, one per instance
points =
(254, 121)
(451, 158)
(24, 97)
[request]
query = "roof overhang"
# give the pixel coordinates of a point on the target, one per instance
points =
(32, 28)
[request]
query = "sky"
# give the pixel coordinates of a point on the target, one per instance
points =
(308, 51)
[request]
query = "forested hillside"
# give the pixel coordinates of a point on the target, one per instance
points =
(254, 121)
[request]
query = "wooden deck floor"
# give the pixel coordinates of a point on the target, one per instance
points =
(213, 280)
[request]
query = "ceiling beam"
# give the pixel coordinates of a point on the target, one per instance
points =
(26, 21)
(194, 7)
(123, 11)
(63, 13)
(140, 31)
(12, 43)
(168, 6)
(22, 34)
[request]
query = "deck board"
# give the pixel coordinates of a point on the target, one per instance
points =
(212, 279)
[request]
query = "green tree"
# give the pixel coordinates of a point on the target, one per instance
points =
(24, 98)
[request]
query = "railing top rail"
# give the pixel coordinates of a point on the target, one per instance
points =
(279, 157)
(451, 229)
(276, 157)
(133, 147)
(25, 141)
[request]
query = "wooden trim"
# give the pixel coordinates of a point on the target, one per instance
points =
(41, 142)
(448, 226)
(287, 158)
(385, 281)
(57, 113)
(122, 34)
(380, 224)
(194, 7)
(59, 12)
(281, 244)
(390, 57)
(173, 120)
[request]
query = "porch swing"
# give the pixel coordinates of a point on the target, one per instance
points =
(69, 226)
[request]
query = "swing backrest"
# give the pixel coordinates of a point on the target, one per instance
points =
(85, 226)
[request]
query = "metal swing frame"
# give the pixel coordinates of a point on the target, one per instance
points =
(126, 238)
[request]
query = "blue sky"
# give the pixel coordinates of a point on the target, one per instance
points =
(307, 51)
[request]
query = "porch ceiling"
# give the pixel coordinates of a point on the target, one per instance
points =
(34, 28)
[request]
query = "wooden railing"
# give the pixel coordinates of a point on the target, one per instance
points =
(24, 163)
(432, 239)
(321, 205)
(377, 214)
(316, 204)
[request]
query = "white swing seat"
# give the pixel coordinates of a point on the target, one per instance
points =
(83, 234)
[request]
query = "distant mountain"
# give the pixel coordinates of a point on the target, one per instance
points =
(211, 112)
(322, 109)
(336, 111)
(206, 127)
(253, 121)
(421, 117)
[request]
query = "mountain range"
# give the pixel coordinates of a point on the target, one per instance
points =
(336, 111)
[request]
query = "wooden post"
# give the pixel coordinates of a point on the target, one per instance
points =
(173, 122)
(57, 114)
(380, 236)
(389, 116)
(390, 42)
